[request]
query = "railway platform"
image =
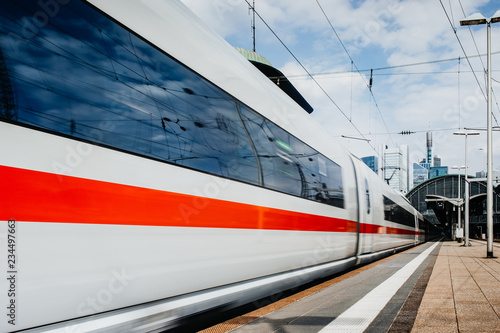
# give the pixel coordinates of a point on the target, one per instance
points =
(435, 287)
(463, 293)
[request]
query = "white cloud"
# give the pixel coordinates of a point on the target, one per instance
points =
(377, 33)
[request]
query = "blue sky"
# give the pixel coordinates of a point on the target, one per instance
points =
(443, 96)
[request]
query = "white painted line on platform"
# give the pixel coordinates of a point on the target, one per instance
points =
(359, 316)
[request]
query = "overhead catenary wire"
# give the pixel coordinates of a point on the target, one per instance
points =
(352, 65)
(310, 75)
(451, 11)
(471, 34)
(410, 132)
(348, 115)
(466, 56)
(348, 74)
(481, 59)
(400, 66)
(368, 84)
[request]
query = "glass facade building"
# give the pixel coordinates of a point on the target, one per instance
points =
(420, 174)
(437, 161)
(372, 162)
(438, 171)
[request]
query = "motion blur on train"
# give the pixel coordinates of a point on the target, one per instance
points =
(150, 172)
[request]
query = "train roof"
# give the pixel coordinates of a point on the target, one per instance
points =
(276, 76)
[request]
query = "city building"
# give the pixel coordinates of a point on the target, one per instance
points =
(496, 176)
(372, 162)
(438, 171)
(437, 161)
(429, 147)
(394, 167)
(483, 174)
(420, 174)
(424, 164)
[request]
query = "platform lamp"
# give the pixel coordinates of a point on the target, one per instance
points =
(476, 19)
(467, 194)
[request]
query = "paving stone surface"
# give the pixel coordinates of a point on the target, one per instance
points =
(463, 291)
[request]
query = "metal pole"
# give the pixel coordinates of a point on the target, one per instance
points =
(253, 24)
(459, 226)
(466, 214)
(489, 181)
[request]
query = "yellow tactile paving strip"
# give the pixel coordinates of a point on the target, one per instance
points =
(463, 293)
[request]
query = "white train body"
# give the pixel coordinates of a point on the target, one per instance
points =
(129, 198)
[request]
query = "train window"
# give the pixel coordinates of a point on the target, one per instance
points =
(290, 166)
(82, 75)
(395, 213)
(85, 76)
(367, 197)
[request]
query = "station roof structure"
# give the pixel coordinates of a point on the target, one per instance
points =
(438, 200)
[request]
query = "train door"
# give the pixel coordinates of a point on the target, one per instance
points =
(365, 207)
(417, 226)
(367, 221)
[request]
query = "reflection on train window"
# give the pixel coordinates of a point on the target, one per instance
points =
(291, 166)
(395, 213)
(84, 76)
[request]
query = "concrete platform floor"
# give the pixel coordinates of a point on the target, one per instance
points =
(463, 292)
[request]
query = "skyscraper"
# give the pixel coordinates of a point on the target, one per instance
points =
(429, 147)
(420, 174)
(437, 161)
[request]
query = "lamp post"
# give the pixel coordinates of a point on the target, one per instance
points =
(459, 196)
(476, 19)
(467, 194)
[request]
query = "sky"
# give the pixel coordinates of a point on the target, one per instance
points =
(422, 79)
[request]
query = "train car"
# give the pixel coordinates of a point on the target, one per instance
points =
(150, 172)
(387, 219)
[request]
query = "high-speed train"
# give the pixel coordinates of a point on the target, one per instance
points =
(150, 172)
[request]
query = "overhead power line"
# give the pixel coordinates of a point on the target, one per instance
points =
(465, 53)
(368, 84)
(402, 66)
(472, 36)
(406, 132)
(412, 132)
(309, 74)
(482, 63)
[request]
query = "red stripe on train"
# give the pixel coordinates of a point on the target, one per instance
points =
(378, 229)
(35, 196)
(45, 197)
